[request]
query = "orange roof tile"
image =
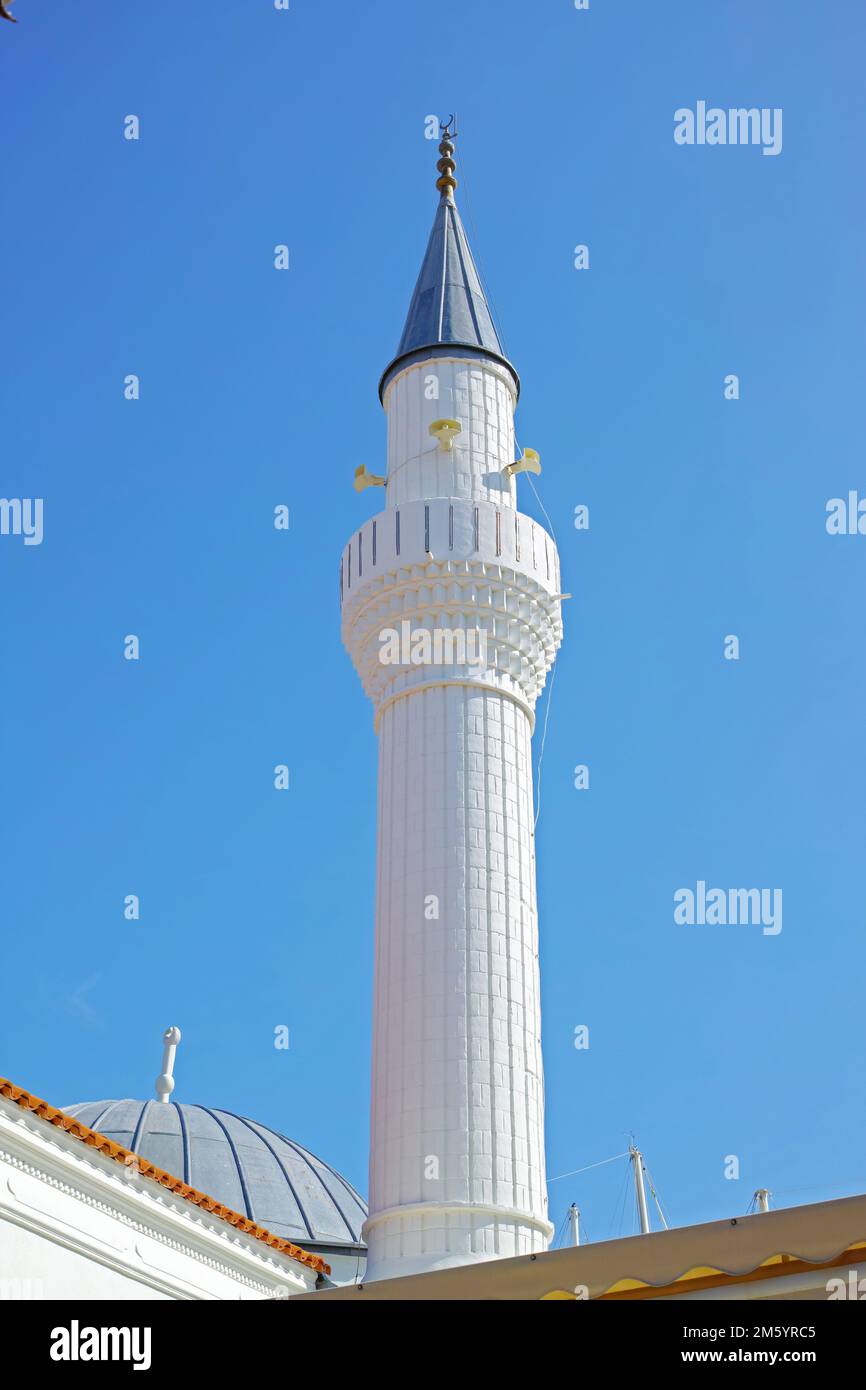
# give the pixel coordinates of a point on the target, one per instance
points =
(107, 1146)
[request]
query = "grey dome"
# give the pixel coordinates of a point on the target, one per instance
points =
(244, 1165)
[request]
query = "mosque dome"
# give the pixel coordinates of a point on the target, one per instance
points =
(246, 1166)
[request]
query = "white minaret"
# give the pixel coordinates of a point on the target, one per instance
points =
(450, 608)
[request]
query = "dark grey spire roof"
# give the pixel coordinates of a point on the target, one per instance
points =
(449, 309)
(244, 1165)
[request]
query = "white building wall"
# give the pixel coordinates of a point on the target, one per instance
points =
(35, 1266)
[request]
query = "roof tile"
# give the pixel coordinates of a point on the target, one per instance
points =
(94, 1140)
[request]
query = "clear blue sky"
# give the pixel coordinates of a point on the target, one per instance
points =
(258, 388)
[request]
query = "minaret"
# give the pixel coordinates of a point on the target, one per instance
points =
(451, 613)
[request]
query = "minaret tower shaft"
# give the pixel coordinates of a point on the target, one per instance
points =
(451, 612)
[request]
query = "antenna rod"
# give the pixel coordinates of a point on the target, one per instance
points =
(165, 1081)
(637, 1167)
(574, 1224)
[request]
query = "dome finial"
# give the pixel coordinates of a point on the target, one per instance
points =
(446, 183)
(165, 1081)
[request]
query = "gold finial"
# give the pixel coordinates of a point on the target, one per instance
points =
(446, 183)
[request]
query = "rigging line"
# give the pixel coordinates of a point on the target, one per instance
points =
(657, 1200)
(619, 1210)
(543, 741)
(664, 1220)
(560, 1232)
(600, 1164)
(541, 504)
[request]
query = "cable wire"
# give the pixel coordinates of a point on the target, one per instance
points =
(600, 1164)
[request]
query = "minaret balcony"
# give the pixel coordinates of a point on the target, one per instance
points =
(451, 592)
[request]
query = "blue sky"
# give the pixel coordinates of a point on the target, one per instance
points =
(707, 517)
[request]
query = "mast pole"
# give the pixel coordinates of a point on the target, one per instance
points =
(637, 1168)
(574, 1223)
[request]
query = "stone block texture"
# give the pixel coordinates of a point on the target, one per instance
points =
(457, 1124)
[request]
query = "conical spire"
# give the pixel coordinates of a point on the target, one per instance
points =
(449, 314)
